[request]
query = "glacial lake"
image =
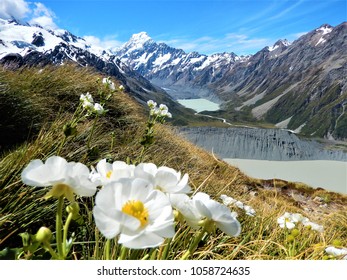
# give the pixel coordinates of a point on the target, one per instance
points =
(199, 104)
(327, 174)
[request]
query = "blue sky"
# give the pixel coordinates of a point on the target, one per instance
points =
(211, 26)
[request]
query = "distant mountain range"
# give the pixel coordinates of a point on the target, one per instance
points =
(23, 44)
(301, 86)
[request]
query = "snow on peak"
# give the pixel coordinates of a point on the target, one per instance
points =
(321, 32)
(140, 38)
(325, 29)
(137, 41)
(278, 44)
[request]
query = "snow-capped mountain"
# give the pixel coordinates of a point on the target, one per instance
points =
(23, 44)
(174, 69)
(24, 38)
(300, 86)
(287, 84)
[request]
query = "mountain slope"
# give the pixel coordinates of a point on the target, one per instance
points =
(174, 69)
(303, 87)
(300, 86)
(23, 44)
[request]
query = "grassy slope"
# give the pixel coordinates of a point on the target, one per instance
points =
(41, 102)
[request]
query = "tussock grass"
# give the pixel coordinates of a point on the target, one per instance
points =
(41, 101)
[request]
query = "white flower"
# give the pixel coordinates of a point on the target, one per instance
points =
(112, 172)
(249, 211)
(217, 213)
(121, 87)
(163, 107)
(98, 109)
(109, 83)
(151, 104)
(87, 101)
(312, 225)
(130, 208)
(227, 200)
(65, 177)
(87, 97)
(164, 111)
(297, 217)
(239, 204)
(154, 111)
(185, 206)
(163, 178)
(286, 221)
(336, 252)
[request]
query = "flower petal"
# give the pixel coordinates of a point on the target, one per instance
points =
(229, 225)
(108, 225)
(141, 241)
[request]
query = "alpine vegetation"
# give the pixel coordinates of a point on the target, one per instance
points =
(132, 203)
(102, 176)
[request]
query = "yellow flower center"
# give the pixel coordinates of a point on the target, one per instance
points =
(136, 209)
(108, 174)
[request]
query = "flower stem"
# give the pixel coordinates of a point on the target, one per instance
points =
(108, 249)
(96, 250)
(47, 246)
(153, 254)
(66, 227)
(58, 225)
(194, 245)
(92, 132)
(123, 253)
(112, 141)
(166, 250)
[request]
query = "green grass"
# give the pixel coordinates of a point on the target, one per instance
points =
(43, 101)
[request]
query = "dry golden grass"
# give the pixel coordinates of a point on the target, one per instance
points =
(55, 91)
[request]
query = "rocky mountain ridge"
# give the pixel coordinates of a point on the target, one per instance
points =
(24, 44)
(174, 69)
(301, 86)
(260, 144)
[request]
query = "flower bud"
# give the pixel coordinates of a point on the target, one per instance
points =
(73, 208)
(295, 232)
(290, 238)
(337, 243)
(44, 234)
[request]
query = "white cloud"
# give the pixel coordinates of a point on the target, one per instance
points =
(43, 16)
(108, 42)
(13, 8)
(34, 13)
(285, 11)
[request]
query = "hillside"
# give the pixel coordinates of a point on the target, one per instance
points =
(36, 103)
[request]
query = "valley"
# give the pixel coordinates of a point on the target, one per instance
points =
(271, 153)
(221, 134)
(267, 106)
